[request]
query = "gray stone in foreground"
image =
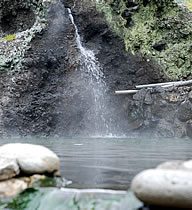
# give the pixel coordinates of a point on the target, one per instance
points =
(8, 168)
(176, 165)
(32, 159)
(164, 187)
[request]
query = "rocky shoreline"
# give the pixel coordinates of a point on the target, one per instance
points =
(29, 179)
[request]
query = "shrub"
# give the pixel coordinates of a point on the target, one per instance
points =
(189, 4)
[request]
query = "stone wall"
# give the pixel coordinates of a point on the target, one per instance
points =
(161, 112)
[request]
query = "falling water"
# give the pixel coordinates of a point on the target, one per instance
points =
(89, 65)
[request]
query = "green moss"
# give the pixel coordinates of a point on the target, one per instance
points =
(9, 37)
(12, 52)
(189, 4)
(154, 23)
(21, 201)
(186, 3)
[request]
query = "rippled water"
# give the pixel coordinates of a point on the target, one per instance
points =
(110, 162)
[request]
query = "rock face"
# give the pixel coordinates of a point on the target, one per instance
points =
(8, 168)
(161, 112)
(37, 95)
(36, 78)
(40, 65)
(31, 159)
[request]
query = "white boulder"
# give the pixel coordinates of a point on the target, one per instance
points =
(164, 187)
(188, 164)
(31, 159)
(8, 168)
(176, 165)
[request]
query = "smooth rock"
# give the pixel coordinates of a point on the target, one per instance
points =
(176, 165)
(188, 164)
(11, 187)
(8, 168)
(32, 159)
(161, 187)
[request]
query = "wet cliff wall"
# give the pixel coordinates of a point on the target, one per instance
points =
(161, 32)
(33, 65)
(40, 58)
(141, 42)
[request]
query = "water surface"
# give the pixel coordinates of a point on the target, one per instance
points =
(110, 162)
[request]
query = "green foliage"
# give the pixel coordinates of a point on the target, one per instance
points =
(21, 201)
(9, 38)
(189, 4)
(153, 23)
(116, 22)
(186, 3)
(11, 57)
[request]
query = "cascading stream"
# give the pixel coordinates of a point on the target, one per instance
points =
(97, 118)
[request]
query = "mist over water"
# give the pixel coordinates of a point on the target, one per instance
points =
(108, 162)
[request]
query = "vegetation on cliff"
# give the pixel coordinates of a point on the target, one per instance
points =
(13, 46)
(158, 30)
(9, 37)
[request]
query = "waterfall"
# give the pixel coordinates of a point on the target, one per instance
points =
(98, 120)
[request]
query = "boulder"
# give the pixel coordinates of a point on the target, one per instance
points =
(8, 168)
(32, 159)
(164, 187)
(11, 187)
(176, 165)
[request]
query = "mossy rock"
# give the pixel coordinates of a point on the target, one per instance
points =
(14, 46)
(161, 31)
(9, 37)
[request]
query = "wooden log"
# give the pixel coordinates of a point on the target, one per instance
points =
(119, 92)
(165, 84)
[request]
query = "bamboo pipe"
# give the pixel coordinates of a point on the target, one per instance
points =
(119, 92)
(165, 84)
